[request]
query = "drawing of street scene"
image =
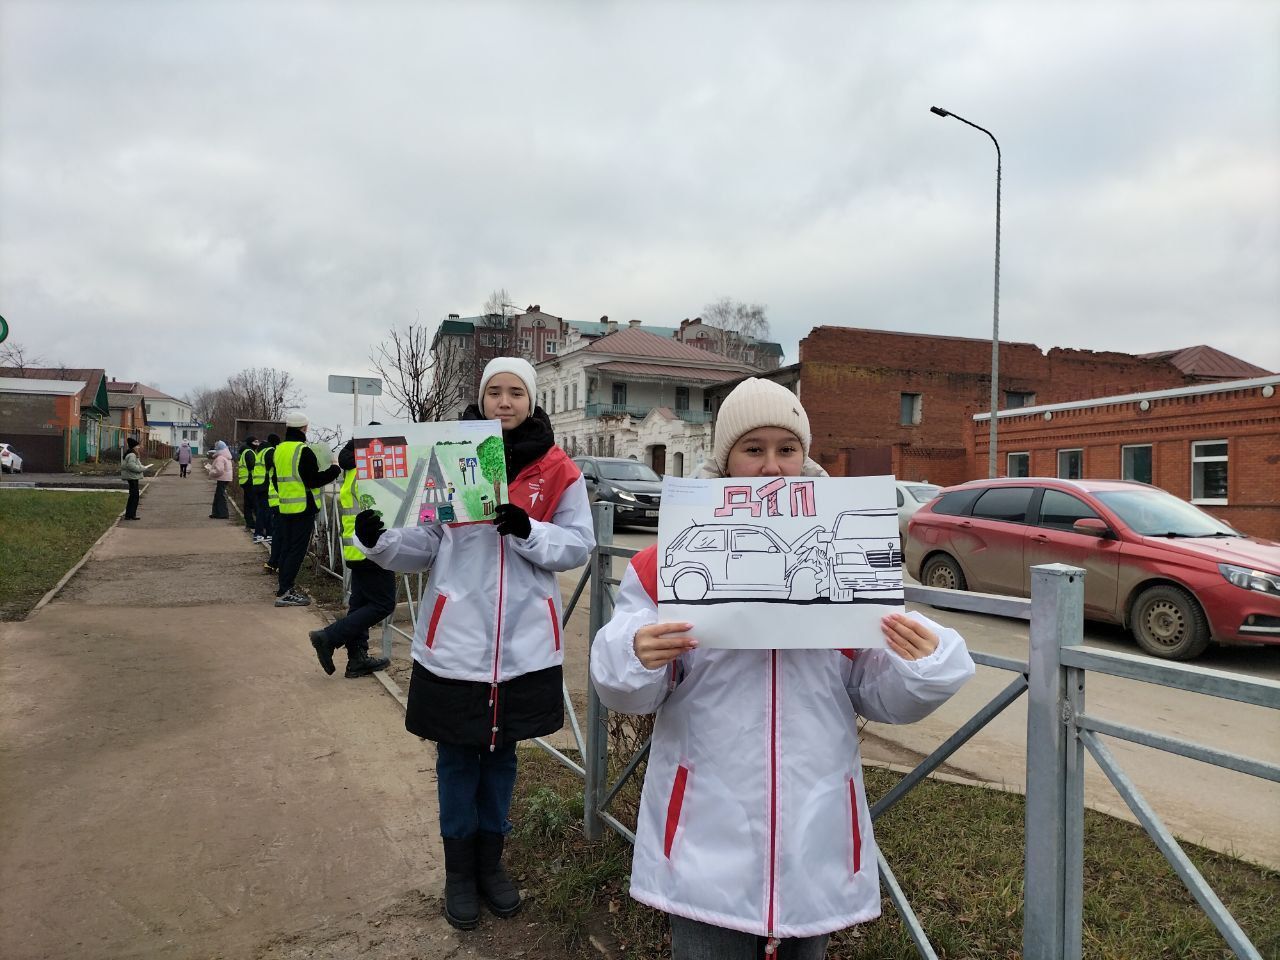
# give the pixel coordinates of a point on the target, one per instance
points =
(423, 473)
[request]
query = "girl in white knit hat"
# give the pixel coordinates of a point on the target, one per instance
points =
(487, 653)
(754, 832)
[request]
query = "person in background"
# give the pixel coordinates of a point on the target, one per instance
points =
(248, 469)
(132, 471)
(487, 652)
(299, 482)
(183, 456)
(373, 589)
(272, 507)
(754, 832)
(258, 488)
(221, 470)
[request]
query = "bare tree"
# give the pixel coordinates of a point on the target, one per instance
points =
(15, 356)
(424, 377)
(497, 328)
(256, 393)
(743, 324)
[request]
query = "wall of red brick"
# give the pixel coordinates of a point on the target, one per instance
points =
(1247, 420)
(851, 383)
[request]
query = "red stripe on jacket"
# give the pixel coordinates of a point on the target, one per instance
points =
(645, 564)
(538, 487)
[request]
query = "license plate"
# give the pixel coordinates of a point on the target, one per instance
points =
(650, 513)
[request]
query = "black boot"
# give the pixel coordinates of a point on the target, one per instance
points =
(499, 893)
(324, 650)
(461, 902)
(360, 664)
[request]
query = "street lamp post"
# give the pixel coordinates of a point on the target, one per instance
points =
(995, 320)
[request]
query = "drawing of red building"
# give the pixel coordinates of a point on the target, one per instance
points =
(379, 458)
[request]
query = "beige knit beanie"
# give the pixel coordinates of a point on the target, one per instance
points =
(757, 403)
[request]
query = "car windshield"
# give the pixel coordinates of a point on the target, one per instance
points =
(923, 493)
(852, 525)
(626, 470)
(1154, 513)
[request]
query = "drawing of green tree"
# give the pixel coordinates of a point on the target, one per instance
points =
(493, 464)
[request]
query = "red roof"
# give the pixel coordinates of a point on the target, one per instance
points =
(92, 377)
(633, 342)
(667, 371)
(1208, 363)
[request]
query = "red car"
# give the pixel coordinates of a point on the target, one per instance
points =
(1169, 572)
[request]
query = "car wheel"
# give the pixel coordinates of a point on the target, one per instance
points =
(942, 571)
(804, 585)
(1168, 623)
(690, 585)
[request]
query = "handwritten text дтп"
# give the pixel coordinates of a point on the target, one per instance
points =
(767, 496)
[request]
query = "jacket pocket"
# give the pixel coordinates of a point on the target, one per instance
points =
(555, 621)
(857, 827)
(436, 612)
(674, 805)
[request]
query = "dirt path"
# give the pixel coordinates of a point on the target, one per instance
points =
(181, 780)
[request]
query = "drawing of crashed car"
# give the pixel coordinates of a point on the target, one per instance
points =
(743, 561)
(863, 554)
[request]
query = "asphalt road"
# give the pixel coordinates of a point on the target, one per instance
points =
(1217, 808)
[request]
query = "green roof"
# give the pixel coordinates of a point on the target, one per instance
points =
(448, 327)
(768, 346)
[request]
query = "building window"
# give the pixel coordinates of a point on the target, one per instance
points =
(1209, 471)
(1019, 465)
(1070, 464)
(1136, 463)
(575, 395)
(525, 343)
(147, 407)
(706, 403)
(551, 346)
(552, 394)
(619, 396)
(565, 402)
(677, 464)
(910, 408)
(1018, 398)
(611, 445)
(682, 398)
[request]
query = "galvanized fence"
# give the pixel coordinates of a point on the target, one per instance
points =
(1059, 731)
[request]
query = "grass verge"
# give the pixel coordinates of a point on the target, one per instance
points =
(957, 852)
(42, 535)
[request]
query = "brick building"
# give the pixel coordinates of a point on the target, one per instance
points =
(1215, 444)
(887, 402)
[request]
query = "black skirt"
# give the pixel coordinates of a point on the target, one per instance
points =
(459, 712)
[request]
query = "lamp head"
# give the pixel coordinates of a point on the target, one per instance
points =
(940, 112)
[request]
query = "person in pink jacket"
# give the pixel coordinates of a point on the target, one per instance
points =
(220, 469)
(754, 832)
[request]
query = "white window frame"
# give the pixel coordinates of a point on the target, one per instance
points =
(1198, 459)
(917, 409)
(550, 346)
(1008, 463)
(1138, 446)
(1079, 450)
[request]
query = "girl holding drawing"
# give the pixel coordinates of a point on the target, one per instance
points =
(487, 653)
(754, 832)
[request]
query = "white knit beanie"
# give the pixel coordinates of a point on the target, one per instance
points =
(296, 420)
(757, 403)
(520, 367)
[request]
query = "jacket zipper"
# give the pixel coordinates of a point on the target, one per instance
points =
(497, 648)
(772, 946)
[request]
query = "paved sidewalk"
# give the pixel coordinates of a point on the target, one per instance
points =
(180, 779)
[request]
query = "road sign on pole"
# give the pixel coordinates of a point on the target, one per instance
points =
(357, 387)
(4, 330)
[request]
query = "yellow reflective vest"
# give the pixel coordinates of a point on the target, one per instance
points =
(268, 458)
(348, 507)
(242, 467)
(259, 474)
(291, 493)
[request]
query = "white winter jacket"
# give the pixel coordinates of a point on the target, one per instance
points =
(753, 815)
(491, 610)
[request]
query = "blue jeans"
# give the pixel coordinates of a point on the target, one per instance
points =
(475, 788)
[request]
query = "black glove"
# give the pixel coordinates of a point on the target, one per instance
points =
(369, 527)
(512, 520)
(347, 455)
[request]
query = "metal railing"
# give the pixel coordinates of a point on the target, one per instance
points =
(1059, 731)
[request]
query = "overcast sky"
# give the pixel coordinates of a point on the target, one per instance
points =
(187, 189)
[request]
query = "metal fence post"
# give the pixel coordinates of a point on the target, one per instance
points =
(595, 763)
(1055, 784)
